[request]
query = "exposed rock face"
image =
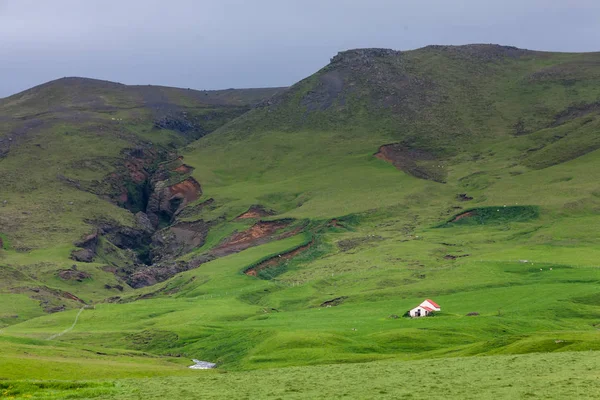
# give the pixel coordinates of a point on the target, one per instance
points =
(144, 222)
(167, 201)
(83, 255)
(88, 248)
(362, 56)
(178, 239)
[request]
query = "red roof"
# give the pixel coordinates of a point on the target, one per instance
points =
(427, 308)
(433, 303)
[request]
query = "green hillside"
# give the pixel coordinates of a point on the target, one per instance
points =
(286, 236)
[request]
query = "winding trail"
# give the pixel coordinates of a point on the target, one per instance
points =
(71, 327)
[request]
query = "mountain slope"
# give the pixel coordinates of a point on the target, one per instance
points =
(78, 155)
(463, 174)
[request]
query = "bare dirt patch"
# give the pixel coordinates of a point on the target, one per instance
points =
(188, 189)
(257, 234)
(184, 169)
(467, 214)
(255, 212)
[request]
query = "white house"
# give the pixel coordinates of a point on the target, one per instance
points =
(424, 309)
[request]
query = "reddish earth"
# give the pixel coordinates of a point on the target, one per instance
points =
(259, 233)
(256, 211)
(334, 223)
(71, 296)
(136, 170)
(463, 215)
(188, 189)
(184, 169)
(275, 261)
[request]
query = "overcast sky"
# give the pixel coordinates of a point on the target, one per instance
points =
(215, 44)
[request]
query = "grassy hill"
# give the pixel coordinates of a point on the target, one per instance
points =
(69, 151)
(321, 215)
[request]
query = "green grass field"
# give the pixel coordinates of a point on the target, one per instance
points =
(513, 262)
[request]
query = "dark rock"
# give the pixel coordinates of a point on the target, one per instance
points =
(56, 309)
(73, 274)
(144, 222)
(463, 197)
(178, 239)
(334, 302)
(83, 255)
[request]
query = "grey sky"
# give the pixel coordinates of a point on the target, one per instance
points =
(252, 43)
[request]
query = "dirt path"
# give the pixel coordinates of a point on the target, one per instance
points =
(71, 327)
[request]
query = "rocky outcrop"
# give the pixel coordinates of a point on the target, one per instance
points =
(166, 201)
(73, 274)
(87, 251)
(178, 239)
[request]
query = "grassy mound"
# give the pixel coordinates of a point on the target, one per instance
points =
(493, 215)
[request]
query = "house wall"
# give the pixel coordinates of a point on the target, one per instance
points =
(413, 312)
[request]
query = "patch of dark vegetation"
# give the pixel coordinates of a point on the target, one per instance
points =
(575, 111)
(334, 302)
(472, 314)
(352, 243)
(454, 257)
(476, 181)
(493, 215)
(592, 299)
(416, 162)
(520, 129)
(256, 297)
(50, 389)
(152, 340)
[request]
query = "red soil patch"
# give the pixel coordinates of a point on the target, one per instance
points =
(258, 233)
(274, 261)
(71, 296)
(188, 189)
(463, 215)
(136, 170)
(184, 169)
(256, 212)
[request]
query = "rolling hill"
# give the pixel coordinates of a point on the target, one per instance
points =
(284, 233)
